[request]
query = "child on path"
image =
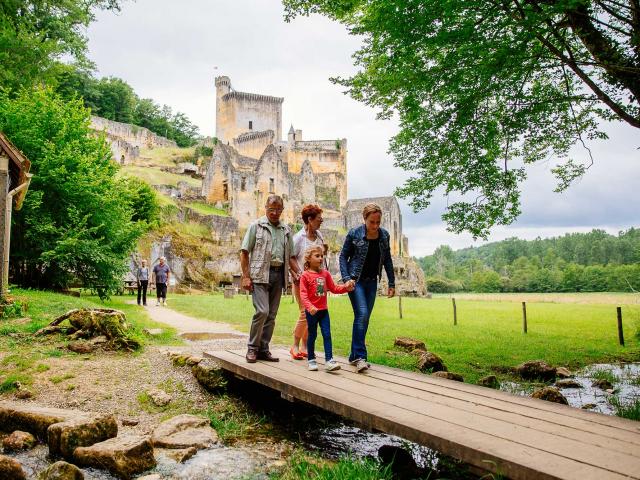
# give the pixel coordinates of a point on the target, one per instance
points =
(314, 284)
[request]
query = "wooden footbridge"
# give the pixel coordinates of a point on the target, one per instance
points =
(520, 438)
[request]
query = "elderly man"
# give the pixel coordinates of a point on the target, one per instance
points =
(161, 275)
(265, 257)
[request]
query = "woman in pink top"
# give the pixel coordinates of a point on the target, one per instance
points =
(314, 284)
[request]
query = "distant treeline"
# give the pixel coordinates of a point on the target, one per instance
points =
(575, 262)
(114, 99)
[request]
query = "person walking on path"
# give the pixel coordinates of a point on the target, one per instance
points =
(142, 278)
(266, 255)
(309, 236)
(314, 284)
(365, 251)
(161, 275)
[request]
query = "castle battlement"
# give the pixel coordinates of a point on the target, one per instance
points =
(332, 145)
(252, 97)
(250, 136)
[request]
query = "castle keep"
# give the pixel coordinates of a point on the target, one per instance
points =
(251, 161)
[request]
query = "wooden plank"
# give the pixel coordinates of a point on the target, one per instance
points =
(471, 446)
(567, 445)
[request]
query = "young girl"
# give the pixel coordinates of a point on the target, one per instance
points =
(314, 284)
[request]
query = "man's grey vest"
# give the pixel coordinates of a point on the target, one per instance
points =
(260, 256)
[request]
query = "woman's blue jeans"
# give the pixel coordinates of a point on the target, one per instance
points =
(321, 318)
(363, 297)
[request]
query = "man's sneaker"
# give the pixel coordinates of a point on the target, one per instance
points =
(331, 366)
(361, 365)
(158, 303)
(313, 365)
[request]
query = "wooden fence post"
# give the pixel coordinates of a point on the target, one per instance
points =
(620, 332)
(524, 317)
(455, 312)
(400, 305)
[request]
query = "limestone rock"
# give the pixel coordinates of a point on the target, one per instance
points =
(184, 431)
(11, 469)
(568, 383)
(153, 476)
(81, 346)
(159, 398)
(430, 362)
(550, 394)
(123, 456)
(449, 376)
(588, 406)
(409, 344)
(62, 471)
(63, 438)
(129, 422)
(99, 340)
(181, 455)
(194, 360)
(602, 383)
(536, 370)
(18, 440)
(31, 418)
(563, 372)
(24, 394)
(210, 376)
(490, 381)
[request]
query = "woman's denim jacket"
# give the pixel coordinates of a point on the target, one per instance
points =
(354, 253)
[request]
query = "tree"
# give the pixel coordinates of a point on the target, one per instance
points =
(36, 33)
(482, 88)
(77, 222)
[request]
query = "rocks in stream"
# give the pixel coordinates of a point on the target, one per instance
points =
(602, 383)
(11, 468)
(62, 471)
(18, 440)
(490, 381)
(536, 370)
(550, 394)
(184, 431)
(568, 383)
(124, 456)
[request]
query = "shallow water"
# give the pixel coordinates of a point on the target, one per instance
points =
(626, 388)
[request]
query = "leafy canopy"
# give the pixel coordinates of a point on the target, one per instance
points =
(78, 221)
(482, 88)
(34, 34)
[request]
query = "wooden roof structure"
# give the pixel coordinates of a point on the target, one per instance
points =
(18, 168)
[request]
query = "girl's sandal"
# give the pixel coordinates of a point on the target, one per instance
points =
(294, 355)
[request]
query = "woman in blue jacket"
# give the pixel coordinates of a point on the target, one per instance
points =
(365, 251)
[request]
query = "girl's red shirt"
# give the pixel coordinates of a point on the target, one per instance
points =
(314, 287)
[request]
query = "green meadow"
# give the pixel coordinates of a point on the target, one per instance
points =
(487, 338)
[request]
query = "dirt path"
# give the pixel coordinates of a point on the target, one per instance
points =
(186, 324)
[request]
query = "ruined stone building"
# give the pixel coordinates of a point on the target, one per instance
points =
(251, 161)
(126, 140)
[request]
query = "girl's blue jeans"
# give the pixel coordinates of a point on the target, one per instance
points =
(363, 297)
(321, 317)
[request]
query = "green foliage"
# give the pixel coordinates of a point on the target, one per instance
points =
(204, 151)
(34, 34)
(483, 89)
(577, 262)
(143, 201)
(629, 409)
(232, 419)
(442, 285)
(115, 99)
(346, 468)
(74, 223)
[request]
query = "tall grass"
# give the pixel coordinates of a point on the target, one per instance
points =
(627, 409)
(347, 468)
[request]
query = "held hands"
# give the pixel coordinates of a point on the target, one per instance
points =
(247, 284)
(313, 310)
(351, 285)
(295, 275)
(391, 292)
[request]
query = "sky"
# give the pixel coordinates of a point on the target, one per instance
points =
(171, 52)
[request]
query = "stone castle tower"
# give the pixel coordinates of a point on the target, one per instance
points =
(251, 161)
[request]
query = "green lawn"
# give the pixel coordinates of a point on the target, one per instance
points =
(488, 334)
(155, 176)
(207, 209)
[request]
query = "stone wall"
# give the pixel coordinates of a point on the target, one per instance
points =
(126, 140)
(391, 219)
